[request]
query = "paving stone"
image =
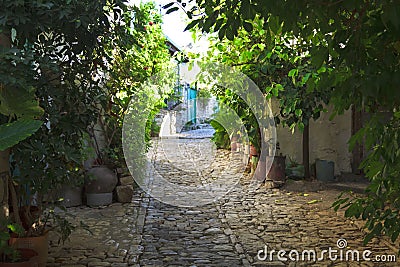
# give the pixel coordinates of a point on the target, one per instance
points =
(213, 231)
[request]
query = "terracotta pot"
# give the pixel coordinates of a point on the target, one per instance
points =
(253, 151)
(29, 258)
(40, 244)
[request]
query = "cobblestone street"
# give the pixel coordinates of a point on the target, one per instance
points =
(227, 232)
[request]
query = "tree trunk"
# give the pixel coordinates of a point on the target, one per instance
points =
(306, 151)
(5, 41)
(4, 179)
(356, 116)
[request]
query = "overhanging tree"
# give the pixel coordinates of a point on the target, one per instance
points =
(136, 53)
(47, 73)
(282, 70)
(359, 41)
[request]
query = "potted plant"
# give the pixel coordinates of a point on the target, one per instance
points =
(36, 218)
(101, 177)
(294, 170)
(50, 97)
(71, 192)
(10, 256)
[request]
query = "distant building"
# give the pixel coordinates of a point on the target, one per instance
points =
(184, 109)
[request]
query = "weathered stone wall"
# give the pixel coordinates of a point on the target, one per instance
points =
(328, 140)
(206, 107)
(172, 121)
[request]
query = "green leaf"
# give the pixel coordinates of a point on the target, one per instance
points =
(336, 205)
(16, 228)
(192, 24)
(208, 23)
(20, 102)
(394, 236)
(274, 24)
(222, 32)
(318, 56)
(172, 10)
(13, 133)
(218, 24)
(354, 210)
(356, 138)
(293, 72)
(168, 5)
(279, 87)
(305, 78)
(298, 112)
(229, 34)
(248, 26)
(301, 126)
(245, 9)
(376, 231)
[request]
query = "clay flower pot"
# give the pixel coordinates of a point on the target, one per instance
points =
(253, 151)
(28, 259)
(39, 245)
(99, 189)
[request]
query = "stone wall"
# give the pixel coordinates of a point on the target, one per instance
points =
(172, 121)
(328, 141)
(206, 107)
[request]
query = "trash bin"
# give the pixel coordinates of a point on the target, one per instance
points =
(325, 170)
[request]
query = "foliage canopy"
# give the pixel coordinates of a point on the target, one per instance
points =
(359, 43)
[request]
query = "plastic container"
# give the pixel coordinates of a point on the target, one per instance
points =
(325, 170)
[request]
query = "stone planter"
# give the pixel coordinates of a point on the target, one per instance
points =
(99, 189)
(295, 172)
(99, 199)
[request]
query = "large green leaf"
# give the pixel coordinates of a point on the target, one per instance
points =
(14, 132)
(20, 102)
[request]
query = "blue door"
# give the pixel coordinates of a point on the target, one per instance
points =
(192, 94)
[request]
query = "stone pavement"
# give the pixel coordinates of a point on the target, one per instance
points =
(227, 232)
